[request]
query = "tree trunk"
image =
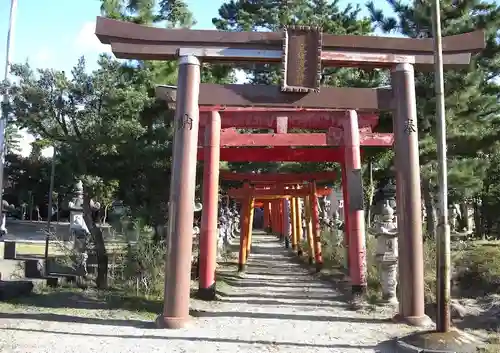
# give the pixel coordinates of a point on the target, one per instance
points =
(430, 211)
(100, 246)
(465, 220)
(105, 216)
(478, 221)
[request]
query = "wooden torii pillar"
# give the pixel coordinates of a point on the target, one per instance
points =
(300, 88)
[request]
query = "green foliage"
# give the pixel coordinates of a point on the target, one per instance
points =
(478, 269)
(144, 271)
(472, 110)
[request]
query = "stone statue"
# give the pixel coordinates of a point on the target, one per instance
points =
(79, 231)
(386, 233)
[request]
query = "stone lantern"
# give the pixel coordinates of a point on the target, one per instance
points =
(386, 232)
(79, 231)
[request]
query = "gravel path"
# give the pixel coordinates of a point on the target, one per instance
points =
(277, 306)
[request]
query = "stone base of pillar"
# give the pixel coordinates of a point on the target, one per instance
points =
(207, 294)
(241, 267)
(300, 252)
(453, 341)
(311, 260)
(417, 321)
(171, 323)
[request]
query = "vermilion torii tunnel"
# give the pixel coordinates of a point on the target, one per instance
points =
(276, 209)
(302, 52)
(344, 138)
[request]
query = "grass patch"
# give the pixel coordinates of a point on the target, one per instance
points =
(478, 269)
(71, 301)
(33, 249)
(476, 266)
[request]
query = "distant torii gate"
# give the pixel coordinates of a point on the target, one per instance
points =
(282, 179)
(309, 192)
(302, 51)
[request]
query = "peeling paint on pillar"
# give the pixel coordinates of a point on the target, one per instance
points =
(208, 234)
(356, 225)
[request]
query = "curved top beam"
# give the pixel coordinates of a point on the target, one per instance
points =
(109, 31)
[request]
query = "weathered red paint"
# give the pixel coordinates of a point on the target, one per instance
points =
(273, 178)
(336, 137)
(278, 154)
(262, 118)
(208, 235)
(345, 197)
(276, 191)
(356, 222)
(230, 137)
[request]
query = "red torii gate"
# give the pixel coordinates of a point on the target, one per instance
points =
(273, 206)
(230, 137)
(260, 181)
(309, 192)
(344, 131)
(282, 178)
(300, 88)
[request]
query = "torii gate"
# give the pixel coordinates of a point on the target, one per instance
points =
(302, 51)
(285, 147)
(273, 207)
(309, 192)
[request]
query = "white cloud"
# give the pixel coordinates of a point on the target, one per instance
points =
(87, 42)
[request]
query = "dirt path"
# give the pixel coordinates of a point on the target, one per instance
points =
(277, 306)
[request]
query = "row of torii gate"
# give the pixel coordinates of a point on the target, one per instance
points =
(349, 116)
(279, 195)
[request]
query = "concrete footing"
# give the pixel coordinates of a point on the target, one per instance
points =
(436, 342)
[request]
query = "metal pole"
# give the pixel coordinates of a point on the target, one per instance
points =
(443, 243)
(3, 116)
(49, 210)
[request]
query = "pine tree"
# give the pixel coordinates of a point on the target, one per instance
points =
(472, 110)
(273, 15)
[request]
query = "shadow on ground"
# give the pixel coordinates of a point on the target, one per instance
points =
(278, 316)
(93, 300)
(76, 319)
(274, 301)
(381, 348)
(261, 264)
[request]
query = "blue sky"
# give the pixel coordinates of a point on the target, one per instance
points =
(55, 33)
